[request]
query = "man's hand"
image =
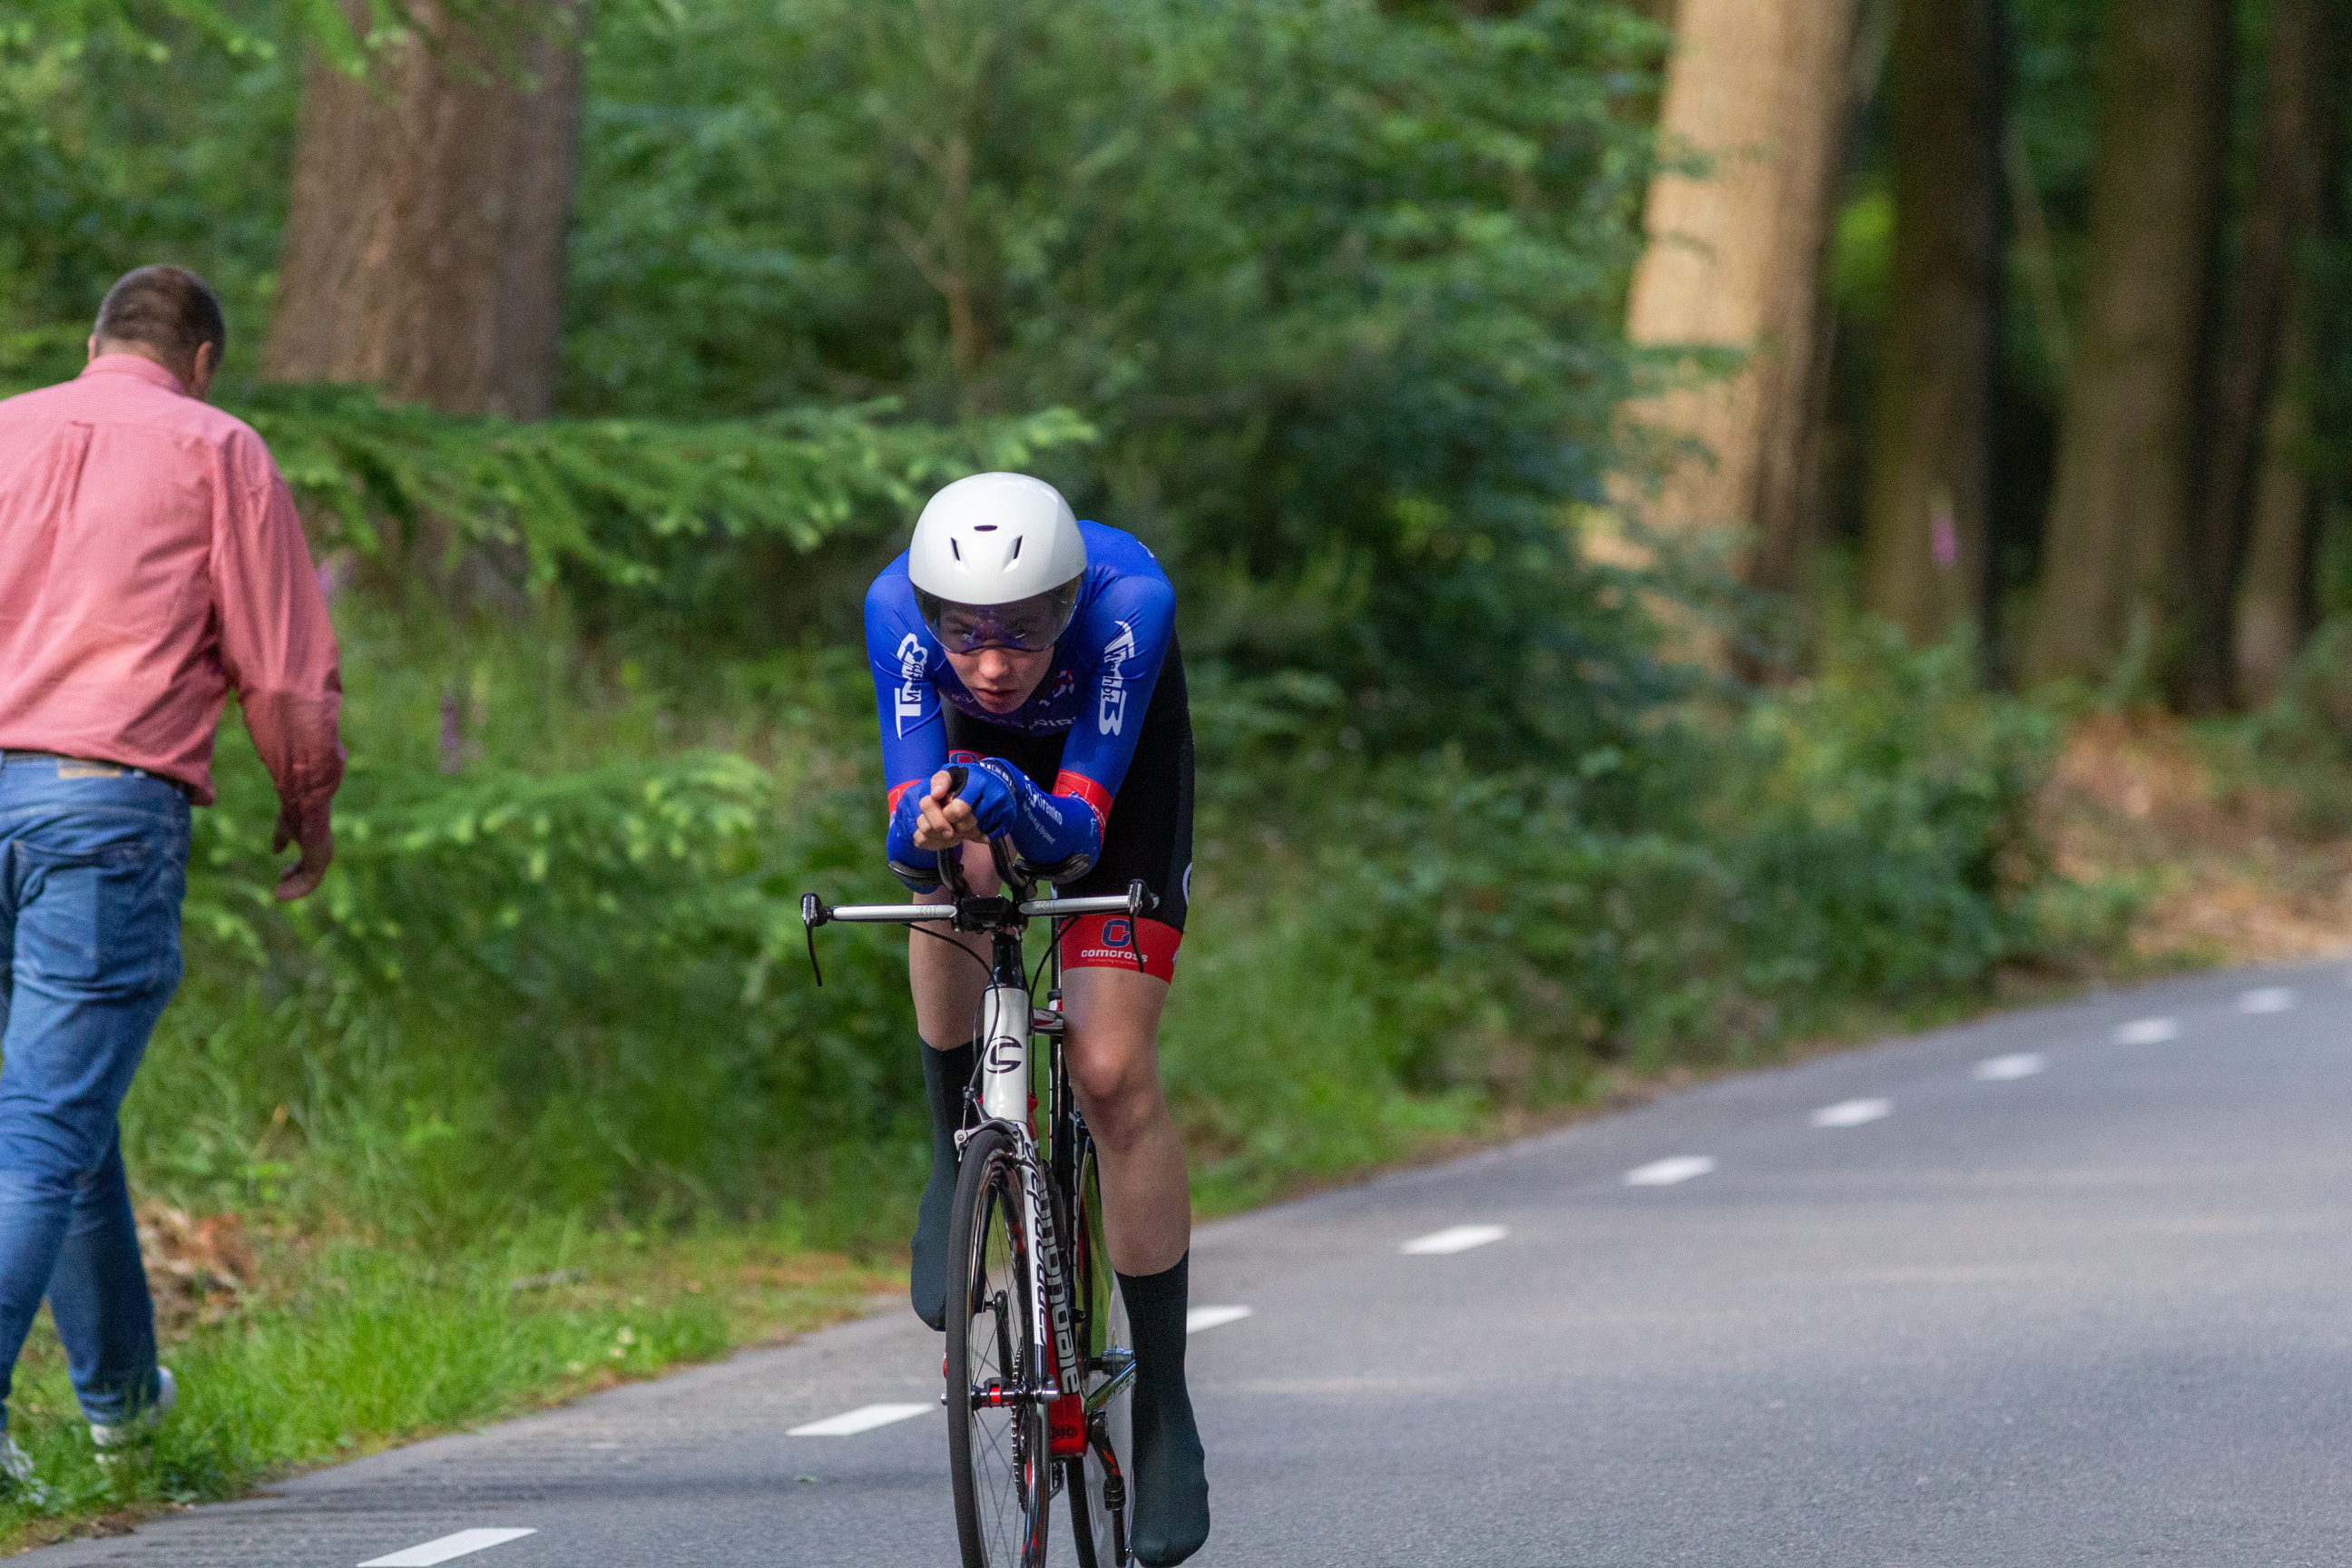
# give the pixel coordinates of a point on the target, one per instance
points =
(941, 822)
(315, 835)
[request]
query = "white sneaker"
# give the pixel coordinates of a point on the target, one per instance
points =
(16, 1466)
(167, 1394)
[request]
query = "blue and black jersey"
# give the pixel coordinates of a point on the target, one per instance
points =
(1095, 694)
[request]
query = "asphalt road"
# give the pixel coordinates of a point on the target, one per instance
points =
(2066, 1287)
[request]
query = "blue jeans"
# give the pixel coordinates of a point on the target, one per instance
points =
(94, 865)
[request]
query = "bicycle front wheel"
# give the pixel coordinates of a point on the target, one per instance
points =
(996, 1430)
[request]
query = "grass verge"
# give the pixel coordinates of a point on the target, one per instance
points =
(337, 1350)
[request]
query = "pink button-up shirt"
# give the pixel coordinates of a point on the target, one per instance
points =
(151, 560)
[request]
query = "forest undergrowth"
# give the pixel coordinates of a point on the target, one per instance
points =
(540, 1094)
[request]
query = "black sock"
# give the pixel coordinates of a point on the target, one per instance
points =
(945, 1076)
(1172, 1488)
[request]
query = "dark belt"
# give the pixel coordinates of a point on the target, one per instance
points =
(11, 754)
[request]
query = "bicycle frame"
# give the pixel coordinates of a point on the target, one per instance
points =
(1008, 1020)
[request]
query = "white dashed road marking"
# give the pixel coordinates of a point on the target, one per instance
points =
(1200, 1318)
(464, 1543)
(1456, 1238)
(1851, 1112)
(2148, 1032)
(1998, 1069)
(865, 1418)
(2269, 999)
(1665, 1173)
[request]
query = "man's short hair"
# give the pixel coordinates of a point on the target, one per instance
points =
(169, 310)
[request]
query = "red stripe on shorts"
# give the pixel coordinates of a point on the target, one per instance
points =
(1103, 942)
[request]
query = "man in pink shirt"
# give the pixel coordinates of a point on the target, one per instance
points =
(150, 562)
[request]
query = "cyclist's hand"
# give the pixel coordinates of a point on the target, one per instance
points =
(944, 822)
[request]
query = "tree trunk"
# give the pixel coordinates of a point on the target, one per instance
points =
(2126, 485)
(2270, 624)
(2275, 598)
(1931, 453)
(2282, 209)
(1763, 88)
(424, 250)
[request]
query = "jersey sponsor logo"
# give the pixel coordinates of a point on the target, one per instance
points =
(1117, 933)
(1110, 711)
(912, 659)
(1030, 798)
(1064, 684)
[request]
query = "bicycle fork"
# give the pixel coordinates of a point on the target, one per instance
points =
(1005, 1098)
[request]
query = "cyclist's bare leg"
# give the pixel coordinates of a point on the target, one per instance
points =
(1113, 1051)
(1114, 1056)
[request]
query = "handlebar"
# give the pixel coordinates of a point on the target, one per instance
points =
(968, 913)
(983, 914)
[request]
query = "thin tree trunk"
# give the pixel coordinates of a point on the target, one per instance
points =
(2281, 207)
(1931, 457)
(1734, 261)
(2125, 483)
(424, 250)
(2276, 600)
(2270, 625)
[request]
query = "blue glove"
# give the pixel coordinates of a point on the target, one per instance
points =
(996, 805)
(1058, 835)
(995, 800)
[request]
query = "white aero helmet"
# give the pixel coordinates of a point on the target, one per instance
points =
(997, 560)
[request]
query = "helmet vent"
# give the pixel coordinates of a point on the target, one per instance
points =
(951, 545)
(1017, 551)
(984, 528)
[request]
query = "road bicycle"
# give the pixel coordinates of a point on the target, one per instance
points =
(1040, 1370)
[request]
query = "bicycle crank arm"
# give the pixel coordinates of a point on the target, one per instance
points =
(1112, 1387)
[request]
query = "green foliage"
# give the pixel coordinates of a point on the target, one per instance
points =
(573, 985)
(635, 502)
(1341, 288)
(115, 159)
(1434, 942)
(2303, 741)
(154, 30)
(568, 977)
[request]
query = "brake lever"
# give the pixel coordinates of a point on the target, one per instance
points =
(1018, 884)
(1138, 899)
(952, 857)
(813, 915)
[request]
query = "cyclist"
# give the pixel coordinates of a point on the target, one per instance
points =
(1039, 652)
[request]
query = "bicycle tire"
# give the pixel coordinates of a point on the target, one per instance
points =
(1102, 1533)
(997, 1454)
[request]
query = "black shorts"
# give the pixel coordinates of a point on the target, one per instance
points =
(1150, 835)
